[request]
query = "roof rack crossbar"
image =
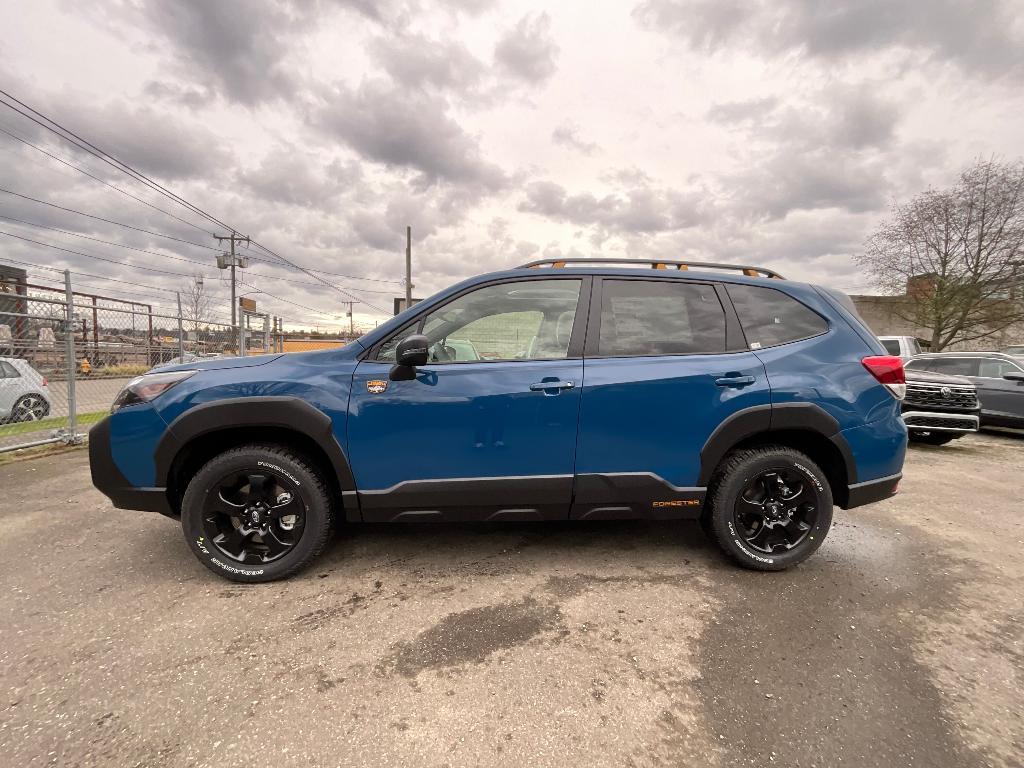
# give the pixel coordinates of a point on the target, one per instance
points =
(749, 271)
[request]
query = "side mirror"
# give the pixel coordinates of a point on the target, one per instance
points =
(412, 351)
(1014, 376)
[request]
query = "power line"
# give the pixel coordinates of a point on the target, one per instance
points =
(171, 256)
(197, 245)
(138, 266)
(73, 138)
(109, 221)
(105, 242)
(101, 181)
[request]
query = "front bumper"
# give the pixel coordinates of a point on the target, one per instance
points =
(112, 484)
(941, 421)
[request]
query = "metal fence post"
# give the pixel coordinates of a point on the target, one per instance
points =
(241, 334)
(181, 332)
(69, 346)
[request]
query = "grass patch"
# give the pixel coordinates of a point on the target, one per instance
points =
(55, 422)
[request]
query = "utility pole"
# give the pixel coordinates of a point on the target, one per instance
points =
(351, 321)
(408, 267)
(223, 263)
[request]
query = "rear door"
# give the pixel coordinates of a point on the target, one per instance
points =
(1002, 399)
(665, 365)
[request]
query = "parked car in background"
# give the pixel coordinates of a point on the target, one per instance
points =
(939, 408)
(904, 347)
(999, 378)
(24, 394)
(704, 391)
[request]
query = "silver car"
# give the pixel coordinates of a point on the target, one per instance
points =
(24, 395)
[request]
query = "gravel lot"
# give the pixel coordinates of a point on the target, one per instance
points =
(901, 643)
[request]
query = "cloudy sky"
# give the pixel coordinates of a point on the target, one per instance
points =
(775, 132)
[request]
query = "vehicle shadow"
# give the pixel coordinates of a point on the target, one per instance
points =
(508, 547)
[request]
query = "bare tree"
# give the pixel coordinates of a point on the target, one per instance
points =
(196, 304)
(962, 251)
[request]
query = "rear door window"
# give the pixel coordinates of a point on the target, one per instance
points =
(660, 317)
(892, 346)
(770, 317)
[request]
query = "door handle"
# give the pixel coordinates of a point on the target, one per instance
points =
(540, 386)
(734, 381)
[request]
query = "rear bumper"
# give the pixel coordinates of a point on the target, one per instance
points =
(871, 491)
(112, 484)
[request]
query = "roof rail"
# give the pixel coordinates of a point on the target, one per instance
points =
(656, 264)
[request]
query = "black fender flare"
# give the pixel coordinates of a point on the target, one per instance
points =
(761, 419)
(272, 411)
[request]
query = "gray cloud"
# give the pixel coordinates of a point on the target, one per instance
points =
(981, 36)
(568, 135)
(640, 209)
(408, 129)
(417, 61)
(235, 46)
(528, 51)
(289, 175)
(738, 112)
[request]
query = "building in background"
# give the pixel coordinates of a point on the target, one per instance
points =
(887, 316)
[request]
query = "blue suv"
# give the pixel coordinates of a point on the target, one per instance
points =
(561, 390)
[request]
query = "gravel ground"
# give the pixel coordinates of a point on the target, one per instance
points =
(901, 643)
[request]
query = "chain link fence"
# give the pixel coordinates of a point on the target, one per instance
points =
(65, 354)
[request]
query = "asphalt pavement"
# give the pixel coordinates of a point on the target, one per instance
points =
(901, 643)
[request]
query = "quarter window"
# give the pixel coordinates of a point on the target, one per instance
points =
(8, 371)
(770, 317)
(660, 317)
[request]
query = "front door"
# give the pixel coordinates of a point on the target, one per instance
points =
(487, 428)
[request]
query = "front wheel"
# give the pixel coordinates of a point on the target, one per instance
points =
(769, 508)
(256, 513)
(29, 408)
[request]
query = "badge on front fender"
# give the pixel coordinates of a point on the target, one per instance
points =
(376, 386)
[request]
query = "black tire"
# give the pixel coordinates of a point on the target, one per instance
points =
(291, 473)
(932, 438)
(723, 519)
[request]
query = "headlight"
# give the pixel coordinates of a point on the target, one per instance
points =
(144, 388)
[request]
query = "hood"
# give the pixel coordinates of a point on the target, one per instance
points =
(219, 363)
(931, 377)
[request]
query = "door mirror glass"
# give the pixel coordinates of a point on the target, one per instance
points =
(412, 350)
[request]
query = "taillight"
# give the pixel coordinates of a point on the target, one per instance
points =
(44, 381)
(888, 370)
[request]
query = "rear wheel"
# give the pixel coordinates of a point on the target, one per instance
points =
(256, 513)
(932, 438)
(769, 508)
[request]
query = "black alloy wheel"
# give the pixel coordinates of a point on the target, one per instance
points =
(251, 517)
(775, 511)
